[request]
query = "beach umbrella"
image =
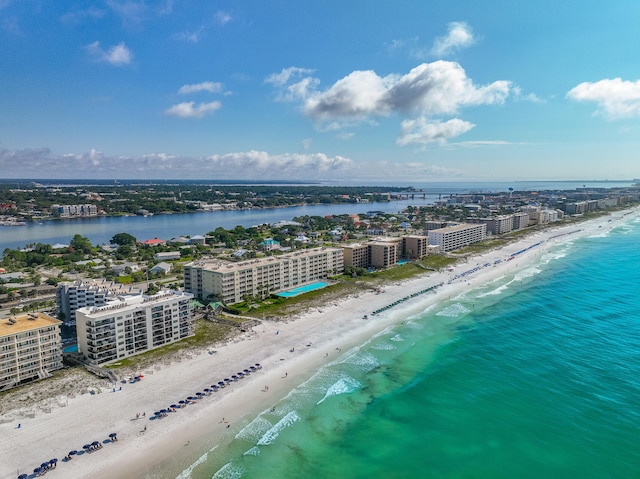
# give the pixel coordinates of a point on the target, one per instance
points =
(227, 380)
(246, 371)
(37, 470)
(112, 435)
(207, 390)
(174, 406)
(23, 476)
(44, 465)
(95, 443)
(73, 453)
(258, 365)
(182, 401)
(221, 383)
(53, 461)
(86, 446)
(199, 394)
(253, 368)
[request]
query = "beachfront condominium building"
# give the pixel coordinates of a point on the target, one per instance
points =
(520, 220)
(385, 251)
(30, 348)
(496, 225)
(131, 325)
(232, 282)
(454, 237)
(78, 294)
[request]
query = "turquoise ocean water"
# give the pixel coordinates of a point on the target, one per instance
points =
(535, 375)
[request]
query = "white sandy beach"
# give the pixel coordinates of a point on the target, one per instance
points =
(316, 337)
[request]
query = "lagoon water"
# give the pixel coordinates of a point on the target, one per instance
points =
(531, 376)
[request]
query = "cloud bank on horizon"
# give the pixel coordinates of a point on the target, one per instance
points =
(236, 90)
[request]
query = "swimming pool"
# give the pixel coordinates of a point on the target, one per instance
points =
(303, 289)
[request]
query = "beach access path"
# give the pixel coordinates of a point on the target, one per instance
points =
(289, 352)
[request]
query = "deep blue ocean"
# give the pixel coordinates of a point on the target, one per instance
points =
(535, 375)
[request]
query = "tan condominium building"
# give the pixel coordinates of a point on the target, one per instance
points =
(383, 252)
(496, 225)
(232, 282)
(454, 237)
(30, 348)
(130, 325)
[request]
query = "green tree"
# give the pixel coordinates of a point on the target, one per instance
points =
(81, 244)
(123, 239)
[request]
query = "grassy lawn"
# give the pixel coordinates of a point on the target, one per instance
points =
(207, 334)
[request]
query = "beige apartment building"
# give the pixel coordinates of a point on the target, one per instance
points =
(232, 282)
(130, 325)
(454, 237)
(383, 252)
(30, 348)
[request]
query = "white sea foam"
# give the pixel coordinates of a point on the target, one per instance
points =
(254, 429)
(527, 273)
(453, 311)
(383, 347)
(397, 338)
(497, 291)
(274, 431)
(364, 360)
(254, 451)
(186, 474)
(229, 471)
(345, 385)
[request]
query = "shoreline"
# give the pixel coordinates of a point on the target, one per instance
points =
(170, 444)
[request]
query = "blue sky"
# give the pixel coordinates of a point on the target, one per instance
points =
(333, 90)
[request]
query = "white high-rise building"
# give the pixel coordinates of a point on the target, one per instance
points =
(79, 294)
(131, 325)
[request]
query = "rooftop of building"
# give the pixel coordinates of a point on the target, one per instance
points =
(131, 302)
(460, 227)
(26, 322)
(218, 264)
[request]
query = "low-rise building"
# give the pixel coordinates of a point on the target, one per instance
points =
(130, 325)
(30, 348)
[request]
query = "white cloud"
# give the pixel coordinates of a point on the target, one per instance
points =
(458, 36)
(430, 90)
(422, 131)
(117, 55)
(190, 109)
(345, 135)
(615, 97)
(306, 143)
(211, 87)
(192, 36)
(476, 143)
(436, 88)
(76, 17)
(282, 78)
(223, 17)
(257, 165)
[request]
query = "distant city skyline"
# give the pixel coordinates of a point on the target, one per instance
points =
(320, 91)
